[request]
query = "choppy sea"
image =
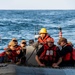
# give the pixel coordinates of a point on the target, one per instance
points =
(23, 24)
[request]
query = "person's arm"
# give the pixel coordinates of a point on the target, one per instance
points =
(58, 56)
(58, 62)
(24, 50)
(38, 61)
(37, 56)
(39, 52)
(59, 59)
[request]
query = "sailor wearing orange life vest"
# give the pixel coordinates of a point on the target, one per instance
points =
(13, 46)
(48, 54)
(65, 53)
(21, 54)
(17, 47)
(73, 52)
(43, 36)
(7, 56)
(15, 42)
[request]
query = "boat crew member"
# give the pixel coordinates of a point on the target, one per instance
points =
(31, 42)
(73, 52)
(7, 56)
(43, 36)
(65, 53)
(15, 42)
(48, 54)
(21, 54)
(12, 46)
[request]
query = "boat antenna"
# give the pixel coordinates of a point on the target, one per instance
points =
(36, 33)
(60, 32)
(0, 39)
(35, 30)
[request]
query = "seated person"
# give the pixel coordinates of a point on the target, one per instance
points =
(13, 47)
(21, 54)
(43, 36)
(65, 53)
(73, 52)
(15, 41)
(48, 54)
(7, 56)
(23, 46)
(31, 42)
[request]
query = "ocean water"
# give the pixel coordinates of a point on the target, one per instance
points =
(23, 24)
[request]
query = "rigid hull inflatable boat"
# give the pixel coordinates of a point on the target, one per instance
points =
(32, 69)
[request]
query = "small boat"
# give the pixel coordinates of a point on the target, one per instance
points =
(33, 69)
(7, 69)
(11, 69)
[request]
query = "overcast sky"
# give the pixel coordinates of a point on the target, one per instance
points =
(37, 4)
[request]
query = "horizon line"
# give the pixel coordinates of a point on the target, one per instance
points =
(38, 9)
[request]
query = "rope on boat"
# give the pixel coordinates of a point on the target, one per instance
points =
(31, 55)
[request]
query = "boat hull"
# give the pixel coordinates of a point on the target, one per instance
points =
(11, 69)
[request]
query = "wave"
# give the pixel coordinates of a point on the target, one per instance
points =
(24, 24)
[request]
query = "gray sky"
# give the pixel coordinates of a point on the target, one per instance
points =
(37, 4)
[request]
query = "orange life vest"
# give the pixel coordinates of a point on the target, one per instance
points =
(2, 54)
(10, 57)
(43, 41)
(49, 54)
(14, 51)
(73, 54)
(18, 48)
(68, 56)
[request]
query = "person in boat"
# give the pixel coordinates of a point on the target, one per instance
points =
(48, 54)
(16, 42)
(65, 53)
(70, 43)
(13, 47)
(13, 41)
(43, 36)
(21, 54)
(73, 52)
(7, 56)
(31, 42)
